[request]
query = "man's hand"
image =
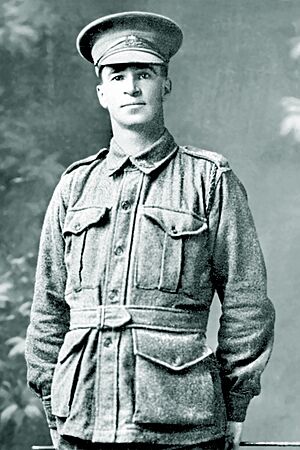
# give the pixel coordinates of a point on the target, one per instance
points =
(54, 436)
(233, 435)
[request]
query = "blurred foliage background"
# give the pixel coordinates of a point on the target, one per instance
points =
(242, 98)
(35, 125)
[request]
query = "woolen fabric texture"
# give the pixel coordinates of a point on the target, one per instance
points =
(132, 252)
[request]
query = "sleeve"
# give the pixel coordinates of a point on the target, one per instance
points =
(245, 336)
(49, 319)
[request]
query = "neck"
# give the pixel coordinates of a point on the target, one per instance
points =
(134, 140)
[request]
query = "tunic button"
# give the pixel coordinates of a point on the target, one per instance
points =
(119, 250)
(125, 205)
(77, 226)
(113, 295)
(174, 229)
(178, 361)
(107, 342)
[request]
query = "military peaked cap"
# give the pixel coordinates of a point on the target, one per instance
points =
(129, 37)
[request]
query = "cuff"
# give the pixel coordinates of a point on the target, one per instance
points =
(47, 408)
(236, 407)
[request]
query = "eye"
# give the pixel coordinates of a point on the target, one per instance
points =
(144, 75)
(117, 78)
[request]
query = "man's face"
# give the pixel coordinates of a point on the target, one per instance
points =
(133, 94)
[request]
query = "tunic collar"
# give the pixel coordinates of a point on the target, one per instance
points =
(148, 160)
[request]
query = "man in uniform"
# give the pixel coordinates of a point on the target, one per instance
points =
(136, 241)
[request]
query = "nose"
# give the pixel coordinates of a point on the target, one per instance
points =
(131, 86)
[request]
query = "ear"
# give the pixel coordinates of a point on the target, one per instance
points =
(167, 88)
(101, 96)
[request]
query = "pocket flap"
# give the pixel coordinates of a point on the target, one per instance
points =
(175, 223)
(173, 350)
(74, 340)
(78, 220)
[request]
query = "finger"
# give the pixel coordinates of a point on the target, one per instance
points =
(228, 444)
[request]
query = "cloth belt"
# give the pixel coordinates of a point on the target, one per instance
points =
(112, 317)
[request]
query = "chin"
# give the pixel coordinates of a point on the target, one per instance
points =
(136, 121)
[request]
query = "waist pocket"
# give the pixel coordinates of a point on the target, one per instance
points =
(176, 381)
(66, 372)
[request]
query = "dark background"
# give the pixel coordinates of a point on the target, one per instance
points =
(235, 91)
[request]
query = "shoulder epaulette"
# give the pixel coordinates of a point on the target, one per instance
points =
(85, 161)
(216, 158)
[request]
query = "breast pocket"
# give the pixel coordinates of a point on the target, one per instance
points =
(163, 246)
(77, 225)
(176, 381)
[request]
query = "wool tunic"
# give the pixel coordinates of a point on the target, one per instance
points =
(132, 251)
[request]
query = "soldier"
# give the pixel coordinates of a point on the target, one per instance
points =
(136, 241)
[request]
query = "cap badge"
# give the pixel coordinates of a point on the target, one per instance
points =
(134, 41)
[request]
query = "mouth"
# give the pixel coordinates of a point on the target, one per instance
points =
(133, 104)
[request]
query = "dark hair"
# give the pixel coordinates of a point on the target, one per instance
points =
(164, 69)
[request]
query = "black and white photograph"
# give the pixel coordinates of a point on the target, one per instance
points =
(150, 224)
